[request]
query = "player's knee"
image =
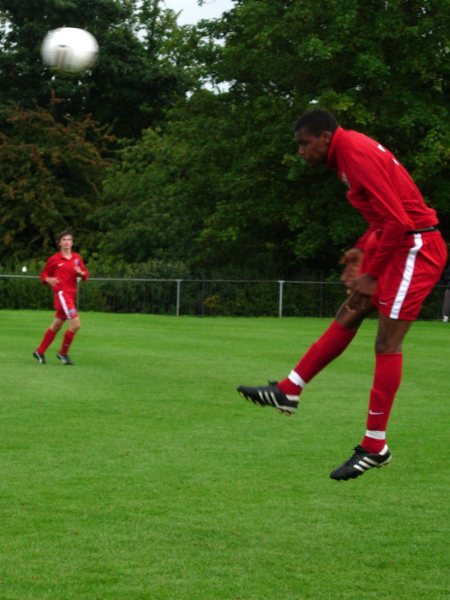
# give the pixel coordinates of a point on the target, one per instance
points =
(388, 347)
(349, 318)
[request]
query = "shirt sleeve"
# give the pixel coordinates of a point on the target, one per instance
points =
(375, 179)
(83, 267)
(361, 243)
(47, 271)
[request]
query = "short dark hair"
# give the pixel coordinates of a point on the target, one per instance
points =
(63, 234)
(316, 121)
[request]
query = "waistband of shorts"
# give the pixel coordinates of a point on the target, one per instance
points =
(424, 230)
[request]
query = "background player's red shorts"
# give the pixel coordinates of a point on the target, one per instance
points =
(64, 304)
(411, 274)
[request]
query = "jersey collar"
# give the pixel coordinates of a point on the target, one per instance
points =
(331, 155)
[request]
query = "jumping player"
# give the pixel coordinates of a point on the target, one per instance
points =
(392, 269)
(61, 273)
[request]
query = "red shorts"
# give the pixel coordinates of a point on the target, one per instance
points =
(64, 303)
(411, 274)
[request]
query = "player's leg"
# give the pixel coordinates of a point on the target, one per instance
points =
(400, 294)
(70, 310)
(331, 344)
(400, 304)
(284, 395)
(48, 338)
(73, 327)
(373, 450)
(386, 381)
(328, 347)
(446, 307)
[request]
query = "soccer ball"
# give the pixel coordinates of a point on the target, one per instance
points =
(69, 50)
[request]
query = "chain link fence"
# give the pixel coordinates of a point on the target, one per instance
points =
(205, 297)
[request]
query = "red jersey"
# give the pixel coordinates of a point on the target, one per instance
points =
(382, 190)
(64, 269)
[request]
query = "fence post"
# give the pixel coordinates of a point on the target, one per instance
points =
(321, 294)
(178, 296)
(280, 298)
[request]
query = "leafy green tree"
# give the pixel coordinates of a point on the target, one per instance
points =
(226, 166)
(50, 179)
(149, 198)
(381, 67)
(214, 181)
(133, 81)
(55, 131)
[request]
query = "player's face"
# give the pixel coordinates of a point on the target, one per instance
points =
(312, 148)
(66, 242)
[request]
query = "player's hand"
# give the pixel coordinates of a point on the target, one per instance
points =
(352, 261)
(52, 281)
(365, 285)
(79, 270)
(357, 302)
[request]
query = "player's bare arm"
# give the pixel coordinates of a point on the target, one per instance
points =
(52, 281)
(364, 284)
(351, 260)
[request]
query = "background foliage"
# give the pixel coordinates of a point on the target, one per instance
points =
(178, 145)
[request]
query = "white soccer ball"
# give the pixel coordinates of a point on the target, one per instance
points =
(69, 50)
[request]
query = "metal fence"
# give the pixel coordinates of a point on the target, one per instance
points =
(211, 297)
(202, 297)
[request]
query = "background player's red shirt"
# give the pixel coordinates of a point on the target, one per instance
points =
(64, 269)
(381, 189)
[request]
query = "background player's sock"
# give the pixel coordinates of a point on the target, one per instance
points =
(328, 347)
(48, 338)
(386, 381)
(68, 339)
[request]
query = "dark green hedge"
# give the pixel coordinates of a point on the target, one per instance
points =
(196, 297)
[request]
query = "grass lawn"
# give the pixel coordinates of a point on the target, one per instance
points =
(141, 474)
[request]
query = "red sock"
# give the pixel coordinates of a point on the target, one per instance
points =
(386, 381)
(328, 347)
(48, 338)
(68, 339)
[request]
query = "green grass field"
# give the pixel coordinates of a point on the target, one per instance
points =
(141, 474)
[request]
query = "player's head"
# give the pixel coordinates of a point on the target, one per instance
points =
(64, 237)
(313, 132)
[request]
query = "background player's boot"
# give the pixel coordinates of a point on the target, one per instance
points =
(65, 359)
(360, 462)
(270, 395)
(39, 357)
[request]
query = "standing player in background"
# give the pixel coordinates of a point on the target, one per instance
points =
(61, 273)
(392, 269)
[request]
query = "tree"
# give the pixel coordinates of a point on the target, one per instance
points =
(380, 67)
(214, 179)
(149, 194)
(56, 131)
(50, 179)
(133, 81)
